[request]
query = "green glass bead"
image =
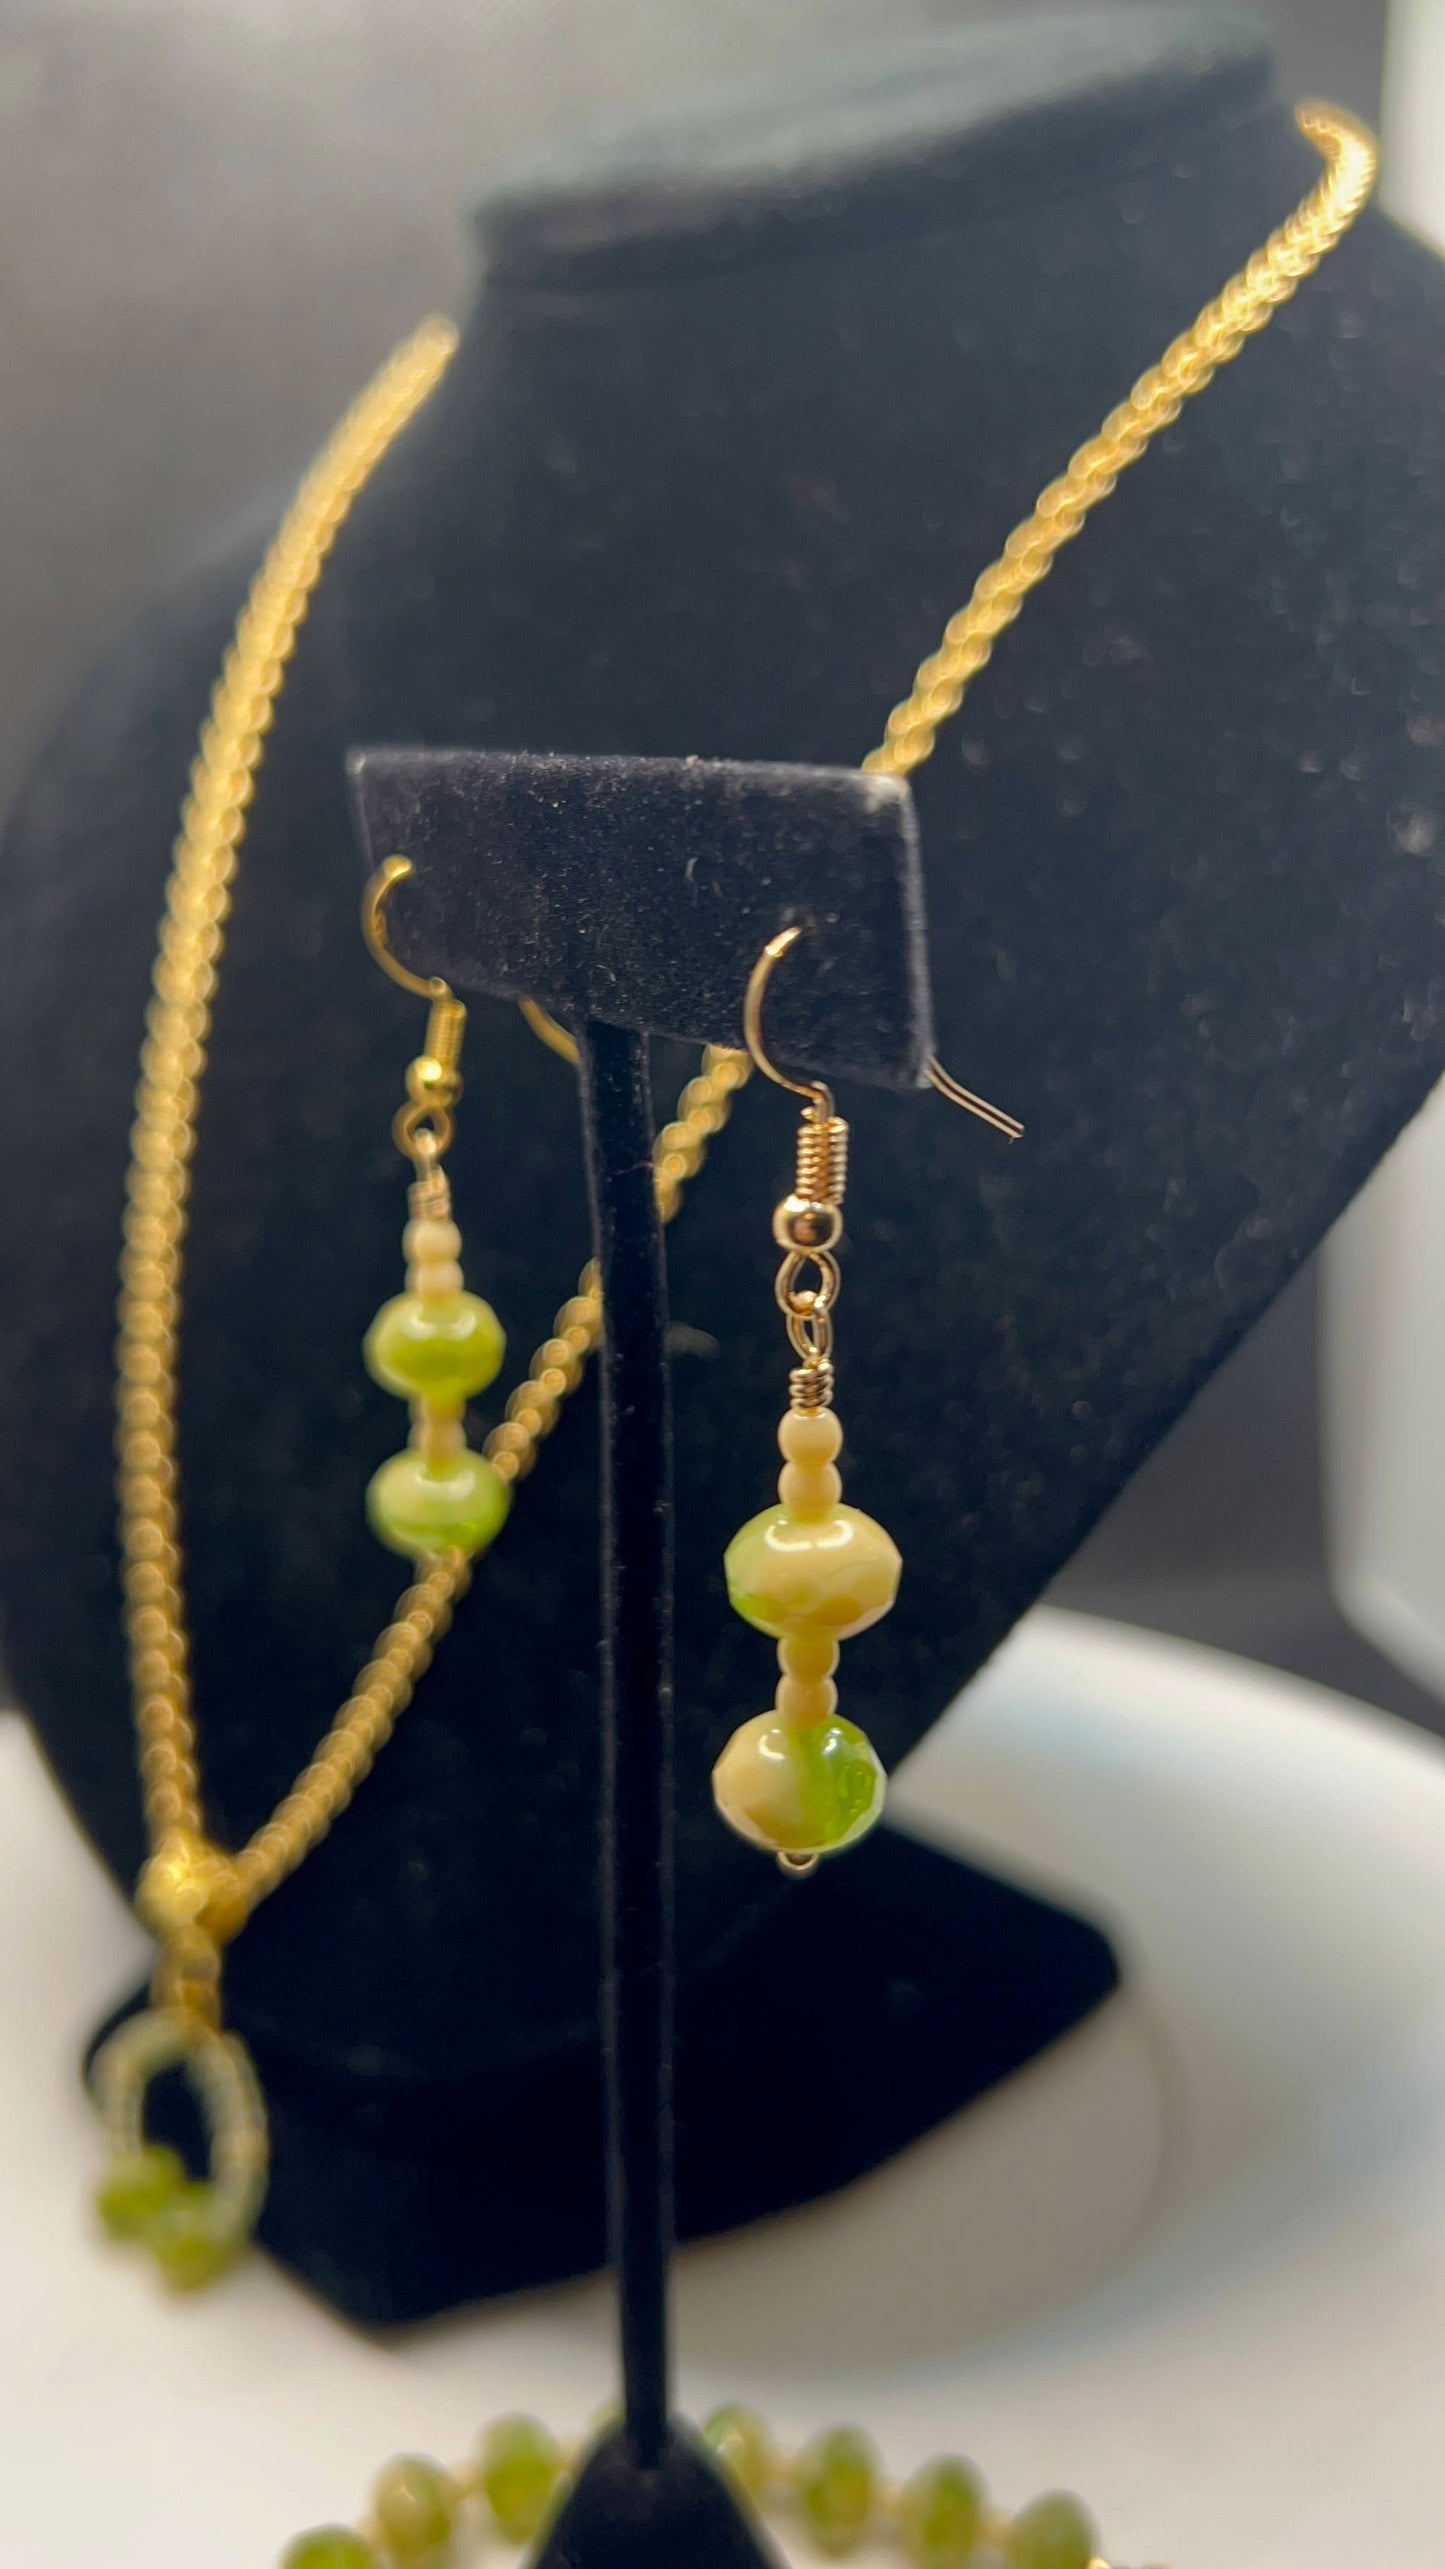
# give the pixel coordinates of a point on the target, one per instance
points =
(739, 2441)
(837, 2476)
(1056, 2532)
(442, 1348)
(836, 1573)
(799, 1792)
(137, 2187)
(331, 2546)
(417, 1508)
(942, 2512)
(188, 2244)
(519, 2474)
(414, 2505)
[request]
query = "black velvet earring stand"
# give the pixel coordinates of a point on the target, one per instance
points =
(744, 404)
(634, 894)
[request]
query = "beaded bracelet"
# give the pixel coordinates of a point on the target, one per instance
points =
(425, 2517)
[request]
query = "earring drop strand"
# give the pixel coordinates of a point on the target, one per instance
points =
(435, 1345)
(800, 1780)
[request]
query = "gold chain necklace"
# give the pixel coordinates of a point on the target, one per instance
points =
(193, 1895)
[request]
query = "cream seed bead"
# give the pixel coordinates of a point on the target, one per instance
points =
(808, 1654)
(803, 1701)
(425, 1240)
(810, 1489)
(437, 1435)
(810, 1436)
(435, 1279)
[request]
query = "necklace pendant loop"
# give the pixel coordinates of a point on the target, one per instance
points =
(195, 2228)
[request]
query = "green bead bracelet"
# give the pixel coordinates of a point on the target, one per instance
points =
(833, 2491)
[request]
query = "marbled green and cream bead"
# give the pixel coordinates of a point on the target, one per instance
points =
(330, 2546)
(835, 2480)
(519, 2473)
(810, 1564)
(138, 2187)
(940, 2514)
(415, 2507)
(435, 1346)
(458, 1505)
(1055, 2532)
(799, 1793)
(191, 2240)
(835, 1572)
(739, 2442)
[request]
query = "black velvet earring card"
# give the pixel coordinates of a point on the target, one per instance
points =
(641, 890)
(745, 402)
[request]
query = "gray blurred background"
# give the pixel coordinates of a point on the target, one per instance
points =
(220, 213)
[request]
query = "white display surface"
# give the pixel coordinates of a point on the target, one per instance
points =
(1193, 2264)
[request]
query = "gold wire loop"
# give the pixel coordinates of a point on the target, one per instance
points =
(424, 1128)
(547, 1030)
(374, 899)
(449, 1017)
(423, 1134)
(957, 1095)
(807, 1302)
(816, 1090)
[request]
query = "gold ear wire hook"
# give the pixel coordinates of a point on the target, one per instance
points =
(547, 1031)
(762, 972)
(943, 1080)
(374, 899)
(957, 1095)
(434, 1081)
(373, 927)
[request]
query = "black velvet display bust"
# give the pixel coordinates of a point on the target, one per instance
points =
(744, 404)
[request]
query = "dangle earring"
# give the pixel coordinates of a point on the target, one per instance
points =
(435, 1345)
(800, 1781)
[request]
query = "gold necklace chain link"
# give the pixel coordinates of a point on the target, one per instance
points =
(178, 1023)
(173, 1061)
(1191, 361)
